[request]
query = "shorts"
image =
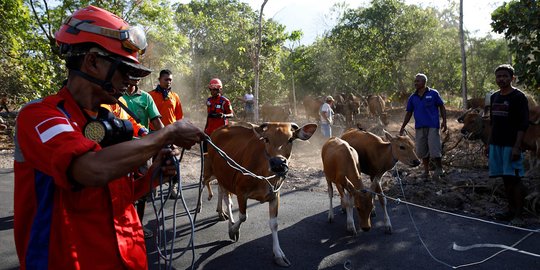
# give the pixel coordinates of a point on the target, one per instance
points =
(428, 143)
(501, 164)
(326, 130)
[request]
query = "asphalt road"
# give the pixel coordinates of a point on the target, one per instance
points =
(310, 242)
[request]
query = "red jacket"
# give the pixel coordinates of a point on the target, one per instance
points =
(58, 225)
(217, 105)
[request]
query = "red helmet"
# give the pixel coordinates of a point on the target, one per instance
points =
(112, 33)
(215, 83)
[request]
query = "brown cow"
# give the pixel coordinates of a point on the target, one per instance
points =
(263, 150)
(476, 127)
(376, 107)
(275, 113)
(376, 157)
(312, 106)
(341, 167)
(476, 103)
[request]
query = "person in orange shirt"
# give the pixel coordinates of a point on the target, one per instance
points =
(167, 101)
(169, 106)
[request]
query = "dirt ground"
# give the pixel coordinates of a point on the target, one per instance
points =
(466, 188)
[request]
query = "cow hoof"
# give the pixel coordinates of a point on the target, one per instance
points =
(234, 235)
(210, 197)
(373, 213)
(388, 230)
(282, 261)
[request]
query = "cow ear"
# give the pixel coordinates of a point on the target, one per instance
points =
(260, 129)
(388, 136)
(305, 132)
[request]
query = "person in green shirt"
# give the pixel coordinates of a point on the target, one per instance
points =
(142, 104)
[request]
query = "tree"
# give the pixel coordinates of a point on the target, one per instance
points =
(378, 39)
(463, 56)
(256, 67)
(227, 50)
(519, 22)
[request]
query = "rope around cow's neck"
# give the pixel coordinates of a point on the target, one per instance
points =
(233, 164)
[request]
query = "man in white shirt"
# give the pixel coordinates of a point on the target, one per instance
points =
(249, 101)
(327, 115)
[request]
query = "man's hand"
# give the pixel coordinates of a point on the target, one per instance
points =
(186, 134)
(402, 131)
(444, 128)
(164, 160)
(516, 153)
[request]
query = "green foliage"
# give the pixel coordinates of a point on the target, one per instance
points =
(222, 39)
(377, 48)
(519, 22)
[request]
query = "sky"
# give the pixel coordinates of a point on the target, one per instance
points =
(309, 15)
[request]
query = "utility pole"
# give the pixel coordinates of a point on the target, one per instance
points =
(257, 64)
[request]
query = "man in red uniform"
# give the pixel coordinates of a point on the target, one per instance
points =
(219, 110)
(218, 107)
(73, 197)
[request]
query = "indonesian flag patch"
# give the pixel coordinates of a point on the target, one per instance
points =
(52, 127)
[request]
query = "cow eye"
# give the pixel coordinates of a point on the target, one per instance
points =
(290, 140)
(402, 147)
(266, 140)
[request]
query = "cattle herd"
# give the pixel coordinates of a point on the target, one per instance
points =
(265, 150)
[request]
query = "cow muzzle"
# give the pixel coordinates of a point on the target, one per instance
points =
(279, 166)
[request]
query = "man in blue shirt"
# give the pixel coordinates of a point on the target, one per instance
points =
(426, 103)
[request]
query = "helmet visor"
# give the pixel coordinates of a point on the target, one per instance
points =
(133, 39)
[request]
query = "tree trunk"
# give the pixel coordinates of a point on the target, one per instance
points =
(463, 56)
(257, 64)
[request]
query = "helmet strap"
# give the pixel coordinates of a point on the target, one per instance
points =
(105, 84)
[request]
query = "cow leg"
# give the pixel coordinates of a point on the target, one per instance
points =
(234, 228)
(224, 196)
(376, 185)
(349, 203)
(279, 256)
(330, 196)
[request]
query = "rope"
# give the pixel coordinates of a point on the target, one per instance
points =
(455, 246)
(233, 164)
(166, 253)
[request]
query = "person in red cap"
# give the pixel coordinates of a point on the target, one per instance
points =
(218, 107)
(73, 192)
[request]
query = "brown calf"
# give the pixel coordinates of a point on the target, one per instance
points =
(312, 106)
(341, 167)
(376, 107)
(376, 157)
(275, 113)
(263, 150)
